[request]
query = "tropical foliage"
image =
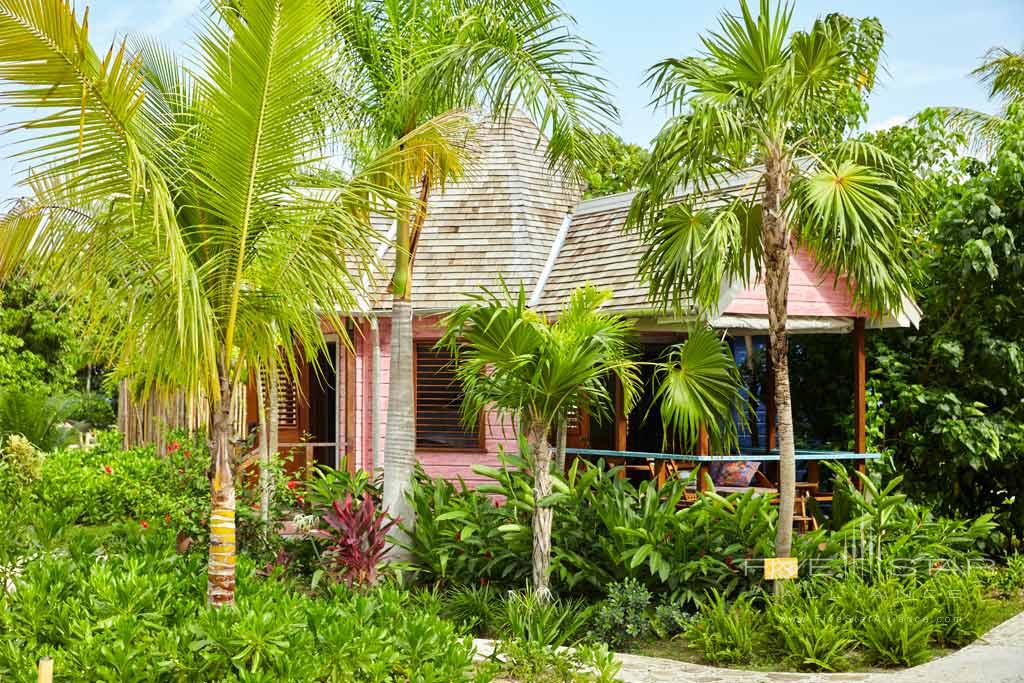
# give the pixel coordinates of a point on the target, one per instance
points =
(411, 65)
(618, 170)
(185, 213)
(951, 391)
(765, 110)
(514, 361)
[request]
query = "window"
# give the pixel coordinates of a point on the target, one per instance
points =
(438, 400)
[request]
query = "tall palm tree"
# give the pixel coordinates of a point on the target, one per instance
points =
(514, 361)
(185, 212)
(1002, 70)
(411, 62)
(759, 98)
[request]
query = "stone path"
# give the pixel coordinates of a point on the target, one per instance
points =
(996, 657)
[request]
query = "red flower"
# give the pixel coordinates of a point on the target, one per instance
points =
(458, 536)
(185, 453)
(292, 484)
(144, 524)
(255, 506)
(300, 500)
(173, 447)
(108, 469)
(483, 581)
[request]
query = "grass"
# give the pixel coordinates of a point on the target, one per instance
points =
(997, 610)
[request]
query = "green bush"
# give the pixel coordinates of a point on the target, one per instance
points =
(727, 633)
(529, 661)
(808, 632)
(1007, 581)
(606, 530)
(959, 604)
(128, 608)
(474, 607)
(38, 416)
(622, 617)
(893, 617)
(550, 623)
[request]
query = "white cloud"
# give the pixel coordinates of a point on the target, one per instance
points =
(897, 120)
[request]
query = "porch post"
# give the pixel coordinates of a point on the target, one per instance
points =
(860, 394)
(769, 403)
(621, 425)
(703, 448)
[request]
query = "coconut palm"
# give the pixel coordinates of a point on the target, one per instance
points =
(775, 104)
(512, 360)
(185, 213)
(410, 62)
(1002, 70)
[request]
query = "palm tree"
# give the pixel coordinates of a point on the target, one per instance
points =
(514, 361)
(185, 212)
(411, 62)
(1002, 70)
(759, 98)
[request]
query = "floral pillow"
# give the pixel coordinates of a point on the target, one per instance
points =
(733, 472)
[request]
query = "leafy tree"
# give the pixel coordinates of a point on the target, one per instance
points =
(38, 344)
(619, 168)
(761, 99)
(953, 391)
(512, 360)
(181, 212)
(410, 63)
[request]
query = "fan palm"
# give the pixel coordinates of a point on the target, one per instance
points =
(1002, 70)
(759, 98)
(410, 62)
(514, 361)
(185, 213)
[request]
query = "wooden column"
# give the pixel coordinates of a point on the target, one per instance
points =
(860, 393)
(703, 448)
(621, 423)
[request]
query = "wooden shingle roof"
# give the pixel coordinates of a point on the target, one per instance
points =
(498, 221)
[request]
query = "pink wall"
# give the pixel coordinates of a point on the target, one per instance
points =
(811, 293)
(449, 464)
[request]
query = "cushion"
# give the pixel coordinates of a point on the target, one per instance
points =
(733, 472)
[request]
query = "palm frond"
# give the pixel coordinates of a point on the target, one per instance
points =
(849, 216)
(699, 386)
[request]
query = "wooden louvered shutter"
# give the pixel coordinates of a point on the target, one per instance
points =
(438, 400)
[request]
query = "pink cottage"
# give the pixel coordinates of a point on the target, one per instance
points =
(513, 217)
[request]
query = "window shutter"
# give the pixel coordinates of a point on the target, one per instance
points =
(438, 400)
(287, 402)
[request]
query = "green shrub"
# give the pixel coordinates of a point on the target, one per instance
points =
(530, 661)
(473, 607)
(551, 623)
(38, 416)
(623, 616)
(808, 632)
(1007, 581)
(130, 609)
(727, 633)
(24, 459)
(892, 617)
(959, 604)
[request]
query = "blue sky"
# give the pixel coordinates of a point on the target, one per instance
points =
(931, 46)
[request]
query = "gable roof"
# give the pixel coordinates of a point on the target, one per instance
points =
(512, 217)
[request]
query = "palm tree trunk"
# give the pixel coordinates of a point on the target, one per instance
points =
(220, 586)
(563, 433)
(540, 452)
(400, 448)
(375, 449)
(776, 271)
(262, 396)
(400, 441)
